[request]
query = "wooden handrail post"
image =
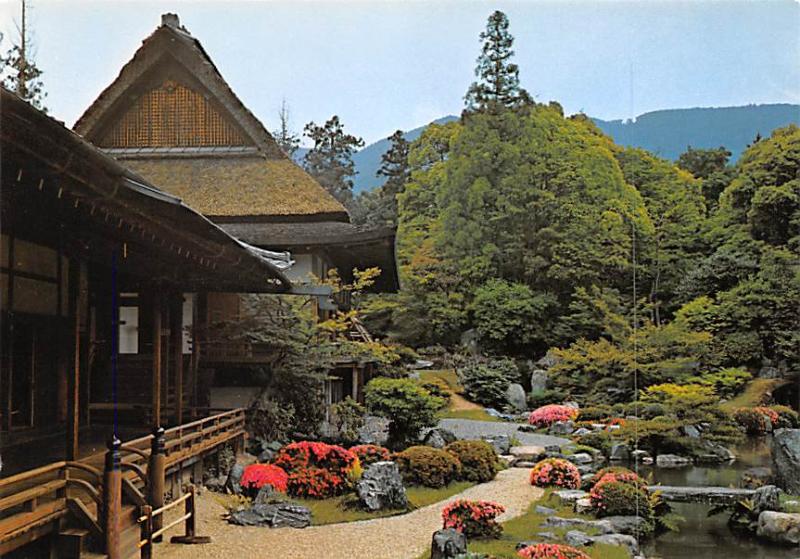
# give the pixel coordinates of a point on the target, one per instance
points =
(191, 524)
(156, 474)
(112, 499)
(146, 532)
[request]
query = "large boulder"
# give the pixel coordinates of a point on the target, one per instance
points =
(439, 438)
(274, 515)
(515, 397)
(539, 380)
(381, 487)
(233, 483)
(767, 498)
(779, 527)
(786, 459)
(448, 544)
(620, 540)
(672, 461)
(620, 452)
(753, 478)
(561, 428)
(500, 443)
(547, 361)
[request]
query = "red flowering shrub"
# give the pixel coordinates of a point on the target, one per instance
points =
(475, 519)
(607, 470)
(555, 472)
(315, 469)
(756, 421)
(552, 413)
(371, 453)
(256, 476)
(551, 551)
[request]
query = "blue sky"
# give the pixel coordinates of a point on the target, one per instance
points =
(383, 65)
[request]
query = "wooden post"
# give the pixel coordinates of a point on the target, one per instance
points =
(157, 308)
(156, 475)
(191, 525)
(146, 531)
(112, 500)
(176, 344)
(74, 371)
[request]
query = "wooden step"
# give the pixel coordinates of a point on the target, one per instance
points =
(72, 542)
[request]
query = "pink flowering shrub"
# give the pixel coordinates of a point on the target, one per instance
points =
(475, 519)
(555, 472)
(621, 494)
(552, 413)
(551, 551)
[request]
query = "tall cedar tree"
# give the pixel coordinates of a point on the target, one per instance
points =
(330, 161)
(19, 71)
(286, 138)
(497, 86)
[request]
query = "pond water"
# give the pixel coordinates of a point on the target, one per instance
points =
(704, 537)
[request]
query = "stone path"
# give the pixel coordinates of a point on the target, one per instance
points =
(398, 537)
(474, 429)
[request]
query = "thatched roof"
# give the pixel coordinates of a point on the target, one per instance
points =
(247, 176)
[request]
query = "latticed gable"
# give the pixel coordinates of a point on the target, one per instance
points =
(172, 115)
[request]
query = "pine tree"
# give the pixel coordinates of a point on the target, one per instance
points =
(330, 161)
(286, 138)
(19, 71)
(497, 86)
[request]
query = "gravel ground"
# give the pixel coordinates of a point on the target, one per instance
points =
(473, 429)
(399, 537)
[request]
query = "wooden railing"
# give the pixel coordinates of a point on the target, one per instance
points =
(134, 474)
(150, 518)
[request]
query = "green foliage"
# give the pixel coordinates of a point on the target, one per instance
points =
(726, 382)
(378, 207)
(615, 498)
(486, 382)
(431, 467)
(601, 440)
(478, 460)
(409, 407)
(269, 419)
(787, 417)
(593, 413)
(348, 418)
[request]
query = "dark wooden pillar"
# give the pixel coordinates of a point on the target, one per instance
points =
(74, 368)
(157, 359)
(176, 345)
(112, 500)
(156, 474)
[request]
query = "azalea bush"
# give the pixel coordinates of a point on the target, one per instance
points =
(431, 467)
(478, 460)
(605, 471)
(787, 417)
(475, 519)
(256, 476)
(552, 413)
(317, 470)
(555, 472)
(621, 494)
(551, 551)
(368, 454)
(756, 421)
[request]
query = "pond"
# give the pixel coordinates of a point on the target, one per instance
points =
(704, 537)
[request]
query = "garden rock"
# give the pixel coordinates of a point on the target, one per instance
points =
(576, 538)
(582, 431)
(672, 461)
(547, 361)
(620, 452)
(523, 464)
(786, 459)
(541, 509)
(374, 431)
(767, 498)
(552, 448)
(233, 483)
(500, 443)
(583, 505)
(715, 453)
(573, 405)
(561, 428)
(779, 527)
(276, 515)
(528, 453)
(266, 495)
(448, 544)
(621, 540)
(581, 458)
(691, 431)
(381, 487)
(579, 523)
(515, 397)
(539, 380)
(769, 372)
(570, 496)
(630, 525)
(266, 456)
(439, 438)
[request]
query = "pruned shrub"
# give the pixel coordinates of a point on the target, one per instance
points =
(368, 454)
(409, 407)
(486, 383)
(552, 413)
(431, 467)
(348, 418)
(621, 494)
(270, 420)
(555, 472)
(256, 476)
(316, 469)
(605, 471)
(551, 551)
(478, 460)
(474, 519)
(601, 440)
(756, 421)
(787, 417)
(596, 413)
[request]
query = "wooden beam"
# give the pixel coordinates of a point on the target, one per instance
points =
(157, 308)
(74, 370)
(176, 344)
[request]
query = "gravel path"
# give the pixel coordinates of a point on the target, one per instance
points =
(399, 537)
(474, 429)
